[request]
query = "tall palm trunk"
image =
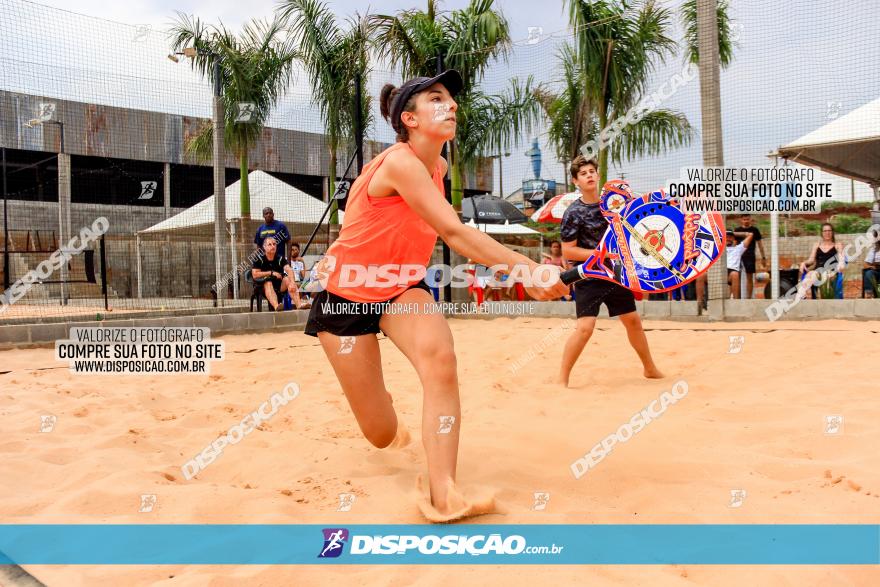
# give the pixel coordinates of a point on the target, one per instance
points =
(244, 196)
(334, 210)
(603, 153)
(455, 177)
(603, 119)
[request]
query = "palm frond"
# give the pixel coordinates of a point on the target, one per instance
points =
(488, 124)
(726, 44)
(201, 144)
(654, 134)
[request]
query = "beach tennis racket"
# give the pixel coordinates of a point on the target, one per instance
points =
(651, 245)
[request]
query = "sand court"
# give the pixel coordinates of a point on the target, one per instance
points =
(780, 418)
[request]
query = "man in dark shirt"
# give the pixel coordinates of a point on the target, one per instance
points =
(748, 258)
(272, 228)
(274, 271)
(583, 226)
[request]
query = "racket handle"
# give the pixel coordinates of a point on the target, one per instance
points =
(570, 276)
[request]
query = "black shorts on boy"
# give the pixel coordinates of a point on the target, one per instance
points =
(586, 224)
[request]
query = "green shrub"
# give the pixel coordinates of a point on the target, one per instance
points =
(835, 205)
(827, 290)
(813, 228)
(849, 223)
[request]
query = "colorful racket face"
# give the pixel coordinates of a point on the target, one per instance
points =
(653, 245)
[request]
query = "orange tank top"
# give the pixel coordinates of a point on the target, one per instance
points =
(381, 241)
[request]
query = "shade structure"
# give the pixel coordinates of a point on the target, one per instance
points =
(848, 146)
(291, 206)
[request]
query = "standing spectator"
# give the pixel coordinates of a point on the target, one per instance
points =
(748, 258)
(871, 271)
(826, 253)
(734, 259)
(274, 229)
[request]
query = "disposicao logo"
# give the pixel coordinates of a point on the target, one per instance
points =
(334, 541)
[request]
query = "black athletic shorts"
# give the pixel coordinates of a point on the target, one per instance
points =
(590, 294)
(748, 262)
(359, 318)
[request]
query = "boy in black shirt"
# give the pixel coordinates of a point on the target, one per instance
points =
(748, 258)
(582, 228)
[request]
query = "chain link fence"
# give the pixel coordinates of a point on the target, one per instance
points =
(98, 122)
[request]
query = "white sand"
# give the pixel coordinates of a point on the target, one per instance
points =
(753, 421)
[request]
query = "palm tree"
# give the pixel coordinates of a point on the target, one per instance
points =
(255, 68)
(468, 40)
(570, 118)
(336, 60)
(617, 49)
(726, 42)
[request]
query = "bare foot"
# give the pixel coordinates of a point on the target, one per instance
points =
(457, 507)
(560, 380)
(653, 373)
(402, 438)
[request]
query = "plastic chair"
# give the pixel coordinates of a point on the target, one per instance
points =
(257, 293)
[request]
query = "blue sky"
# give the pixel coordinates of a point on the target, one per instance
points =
(799, 64)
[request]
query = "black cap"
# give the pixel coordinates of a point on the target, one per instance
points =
(450, 78)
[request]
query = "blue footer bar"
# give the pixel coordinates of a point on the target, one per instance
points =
(648, 544)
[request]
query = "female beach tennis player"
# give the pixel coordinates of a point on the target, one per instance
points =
(395, 212)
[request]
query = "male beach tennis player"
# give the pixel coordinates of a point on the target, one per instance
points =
(583, 226)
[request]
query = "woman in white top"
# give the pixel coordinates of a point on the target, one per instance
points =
(298, 270)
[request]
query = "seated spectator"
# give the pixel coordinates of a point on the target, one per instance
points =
(298, 270)
(496, 286)
(734, 259)
(273, 271)
(871, 271)
(272, 228)
(296, 263)
(555, 258)
(826, 253)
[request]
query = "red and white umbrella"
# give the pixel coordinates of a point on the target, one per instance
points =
(553, 210)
